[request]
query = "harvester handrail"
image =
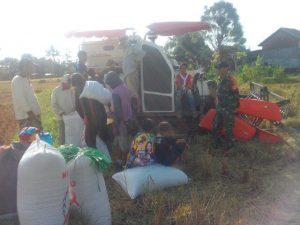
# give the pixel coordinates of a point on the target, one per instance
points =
(262, 92)
(265, 92)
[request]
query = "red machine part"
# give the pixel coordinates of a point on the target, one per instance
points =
(117, 33)
(267, 137)
(261, 109)
(241, 131)
(177, 28)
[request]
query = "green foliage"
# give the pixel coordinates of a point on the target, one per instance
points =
(48, 116)
(212, 73)
(278, 74)
(226, 28)
(259, 71)
(189, 47)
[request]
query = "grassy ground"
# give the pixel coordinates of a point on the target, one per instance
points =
(243, 189)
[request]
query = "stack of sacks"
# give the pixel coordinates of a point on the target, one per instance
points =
(87, 186)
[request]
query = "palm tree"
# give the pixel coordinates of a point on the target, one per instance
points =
(52, 53)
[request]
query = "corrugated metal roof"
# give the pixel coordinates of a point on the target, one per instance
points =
(294, 32)
(290, 31)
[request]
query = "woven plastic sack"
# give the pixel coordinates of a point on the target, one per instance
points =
(88, 191)
(95, 90)
(139, 180)
(100, 145)
(42, 188)
(73, 128)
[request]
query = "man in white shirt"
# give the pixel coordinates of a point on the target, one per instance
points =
(26, 106)
(63, 103)
(201, 91)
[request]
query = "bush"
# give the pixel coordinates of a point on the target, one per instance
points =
(278, 74)
(212, 73)
(259, 71)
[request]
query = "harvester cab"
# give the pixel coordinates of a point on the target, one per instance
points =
(147, 71)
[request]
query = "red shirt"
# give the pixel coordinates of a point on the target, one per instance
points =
(184, 81)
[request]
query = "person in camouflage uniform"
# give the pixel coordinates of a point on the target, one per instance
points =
(228, 101)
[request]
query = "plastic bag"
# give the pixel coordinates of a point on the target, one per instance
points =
(69, 152)
(46, 137)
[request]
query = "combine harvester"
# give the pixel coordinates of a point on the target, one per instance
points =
(253, 110)
(155, 71)
(153, 75)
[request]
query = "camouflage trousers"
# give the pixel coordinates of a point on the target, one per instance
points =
(224, 120)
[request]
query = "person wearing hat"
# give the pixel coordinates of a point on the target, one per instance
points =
(26, 106)
(183, 92)
(63, 103)
(227, 102)
(81, 67)
(201, 91)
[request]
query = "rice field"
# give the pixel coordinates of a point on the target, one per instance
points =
(252, 187)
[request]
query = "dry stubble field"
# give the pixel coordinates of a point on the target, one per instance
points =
(254, 186)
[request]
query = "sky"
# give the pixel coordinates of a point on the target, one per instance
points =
(32, 26)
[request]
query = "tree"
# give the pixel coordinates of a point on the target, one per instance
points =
(9, 68)
(226, 31)
(52, 53)
(189, 47)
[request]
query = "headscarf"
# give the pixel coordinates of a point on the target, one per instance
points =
(28, 134)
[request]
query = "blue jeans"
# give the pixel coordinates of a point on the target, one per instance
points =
(184, 97)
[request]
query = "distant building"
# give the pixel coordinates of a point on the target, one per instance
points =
(282, 48)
